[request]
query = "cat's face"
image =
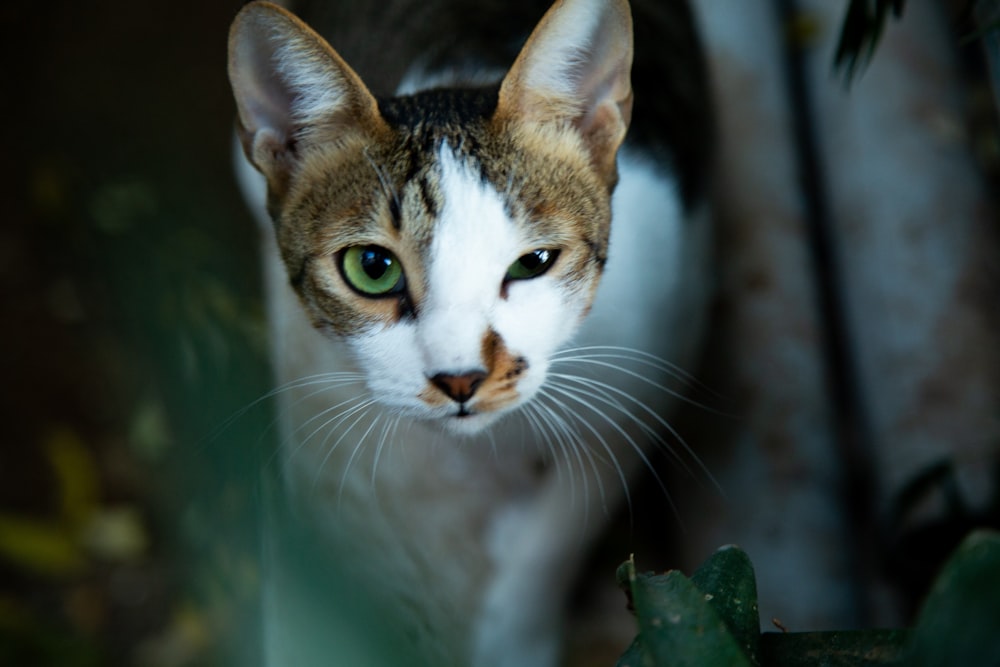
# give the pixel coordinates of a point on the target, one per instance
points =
(453, 239)
(452, 276)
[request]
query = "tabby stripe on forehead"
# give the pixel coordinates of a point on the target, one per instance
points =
(395, 213)
(430, 205)
(390, 192)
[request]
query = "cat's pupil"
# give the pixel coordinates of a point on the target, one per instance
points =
(532, 264)
(535, 259)
(375, 262)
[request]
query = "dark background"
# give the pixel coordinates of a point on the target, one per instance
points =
(131, 338)
(128, 282)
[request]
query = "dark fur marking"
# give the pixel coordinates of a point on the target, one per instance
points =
(439, 108)
(395, 214)
(426, 120)
(598, 252)
(430, 205)
(520, 365)
(406, 309)
(297, 277)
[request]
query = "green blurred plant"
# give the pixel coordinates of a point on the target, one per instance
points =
(711, 619)
(864, 23)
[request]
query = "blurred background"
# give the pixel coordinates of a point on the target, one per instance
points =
(131, 332)
(132, 339)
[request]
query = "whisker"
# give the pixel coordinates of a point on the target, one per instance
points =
(359, 445)
(571, 439)
(599, 390)
(634, 354)
(341, 378)
(536, 420)
(603, 356)
(339, 416)
(385, 438)
(494, 450)
(612, 459)
(330, 425)
(640, 453)
(286, 409)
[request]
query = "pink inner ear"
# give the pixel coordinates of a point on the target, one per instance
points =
(262, 96)
(605, 75)
(577, 65)
(290, 86)
(286, 78)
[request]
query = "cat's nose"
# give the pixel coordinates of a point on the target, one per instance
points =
(459, 387)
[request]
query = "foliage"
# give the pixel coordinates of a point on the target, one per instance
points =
(959, 623)
(711, 619)
(860, 33)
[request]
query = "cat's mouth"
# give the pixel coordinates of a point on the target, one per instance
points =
(467, 420)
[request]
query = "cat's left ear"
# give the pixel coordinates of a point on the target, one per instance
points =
(576, 66)
(292, 91)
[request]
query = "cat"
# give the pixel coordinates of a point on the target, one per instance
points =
(473, 360)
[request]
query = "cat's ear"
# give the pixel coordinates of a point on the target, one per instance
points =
(576, 67)
(291, 89)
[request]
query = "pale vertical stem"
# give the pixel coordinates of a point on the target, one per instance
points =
(915, 235)
(778, 462)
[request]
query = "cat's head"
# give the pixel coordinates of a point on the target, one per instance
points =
(453, 238)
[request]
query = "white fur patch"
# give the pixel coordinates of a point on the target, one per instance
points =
(474, 243)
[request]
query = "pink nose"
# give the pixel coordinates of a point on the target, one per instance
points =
(461, 387)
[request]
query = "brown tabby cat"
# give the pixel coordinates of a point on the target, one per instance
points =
(442, 233)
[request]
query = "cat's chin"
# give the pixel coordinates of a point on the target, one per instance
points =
(469, 425)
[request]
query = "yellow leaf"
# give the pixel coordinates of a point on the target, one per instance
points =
(116, 534)
(191, 627)
(44, 547)
(76, 473)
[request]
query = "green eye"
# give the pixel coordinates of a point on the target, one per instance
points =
(372, 270)
(532, 265)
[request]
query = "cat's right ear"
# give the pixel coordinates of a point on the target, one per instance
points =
(291, 90)
(576, 67)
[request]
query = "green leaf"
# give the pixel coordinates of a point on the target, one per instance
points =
(728, 582)
(959, 623)
(860, 34)
(632, 656)
(678, 626)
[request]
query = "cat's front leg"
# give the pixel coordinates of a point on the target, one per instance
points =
(519, 622)
(535, 546)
